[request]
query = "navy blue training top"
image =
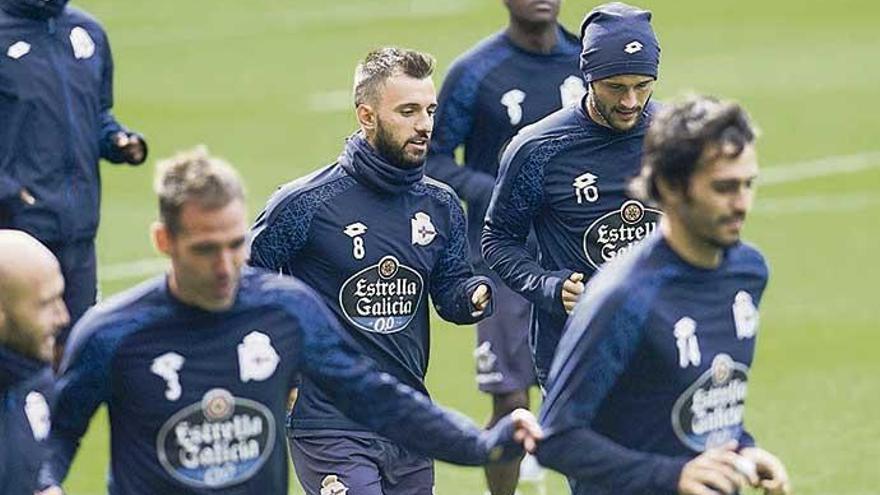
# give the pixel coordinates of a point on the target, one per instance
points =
(652, 369)
(373, 252)
(197, 399)
(490, 92)
(566, 177)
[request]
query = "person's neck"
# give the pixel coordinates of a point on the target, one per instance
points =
(187, 299)
(592, 112)
(537, 38)
(691, 249)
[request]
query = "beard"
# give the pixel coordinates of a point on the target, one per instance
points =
(26, 342)
(394, 151)
(607, 111)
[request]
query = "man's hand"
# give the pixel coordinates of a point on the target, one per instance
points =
(131, 146)
(528, 432)
(773, 476)
(714, 472)
(480, 299)
(572, 289)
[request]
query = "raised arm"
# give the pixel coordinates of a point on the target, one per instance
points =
(378, 401)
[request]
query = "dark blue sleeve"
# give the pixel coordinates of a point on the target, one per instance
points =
(379, 402)
(452, 125)
(601, 337)
(83, 384)
(109, 125)
(452, 280)
(9, 187)
(277, 236)
(516, 201)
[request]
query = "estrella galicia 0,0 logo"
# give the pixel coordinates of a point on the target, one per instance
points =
(616, 232)
(219, 441)
(382, 298)
(710, 412)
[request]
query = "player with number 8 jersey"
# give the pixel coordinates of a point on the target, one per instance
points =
(374, 237)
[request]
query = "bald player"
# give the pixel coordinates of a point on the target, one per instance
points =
(32, 312)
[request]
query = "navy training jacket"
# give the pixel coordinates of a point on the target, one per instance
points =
(56, 92)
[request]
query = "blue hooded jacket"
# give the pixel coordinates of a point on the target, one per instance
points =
(56, 94)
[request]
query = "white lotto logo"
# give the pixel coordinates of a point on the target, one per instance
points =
(257, 358)
(167, 366)
(18, 49)
(37, 411)
(633, 47)
(585, 188)
(82, 43)
(513, 100)
(423, 230)
(356, 231)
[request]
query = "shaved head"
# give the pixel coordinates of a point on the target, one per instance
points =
(31, 288)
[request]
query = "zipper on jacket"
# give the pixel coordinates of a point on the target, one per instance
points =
(67, 229)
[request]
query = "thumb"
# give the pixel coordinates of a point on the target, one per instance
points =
(576, 277)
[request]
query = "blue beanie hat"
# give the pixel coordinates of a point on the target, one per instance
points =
(618, 39)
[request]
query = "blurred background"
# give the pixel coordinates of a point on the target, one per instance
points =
(266, 84)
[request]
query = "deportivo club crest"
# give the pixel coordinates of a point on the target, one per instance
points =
(219, 441)
(745, 315)
(710, 411)
(616, 232)
(423, 230)
(382, 298)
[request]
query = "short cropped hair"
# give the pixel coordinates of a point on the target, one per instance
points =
(684, 135)
(384, 63)
(194, 176)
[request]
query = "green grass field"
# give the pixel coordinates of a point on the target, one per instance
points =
(265, 83)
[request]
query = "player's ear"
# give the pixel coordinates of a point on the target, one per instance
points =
(161, 237)
(3, 336)
(366, 117)
(669, 193)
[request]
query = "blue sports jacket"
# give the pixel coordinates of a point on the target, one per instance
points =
(56, 93)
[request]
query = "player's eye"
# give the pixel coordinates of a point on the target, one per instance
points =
(204, 249)
(726, 187)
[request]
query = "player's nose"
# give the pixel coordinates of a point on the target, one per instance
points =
(629, 99)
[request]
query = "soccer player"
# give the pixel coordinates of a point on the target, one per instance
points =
(56, 123)
(565, 177)
(647, 391)
(32, 312)
(196, 366)
(506, 82)
(374, 237)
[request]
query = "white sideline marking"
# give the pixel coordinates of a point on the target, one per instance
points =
(780, 174)
(338, 100)
(130, 269)
(815, 203)
(822, 167)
